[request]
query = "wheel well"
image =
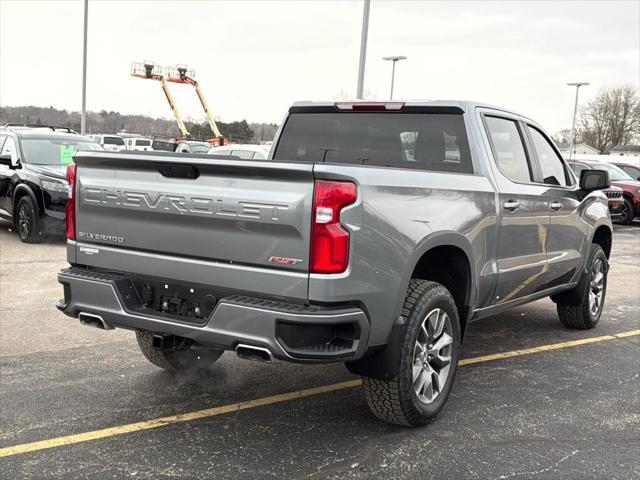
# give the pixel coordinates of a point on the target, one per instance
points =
(16, 198)
(602, 237)
(449, 266)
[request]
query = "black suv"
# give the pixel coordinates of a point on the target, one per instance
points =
(33, 185)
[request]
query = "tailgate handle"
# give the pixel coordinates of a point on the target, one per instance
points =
(179, 171)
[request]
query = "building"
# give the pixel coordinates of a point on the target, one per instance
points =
(579, 149)
(629, 150)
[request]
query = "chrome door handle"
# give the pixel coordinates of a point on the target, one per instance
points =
(556, 205)
(511, 205)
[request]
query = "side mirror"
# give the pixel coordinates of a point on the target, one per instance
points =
(591, 180)
(5, 160)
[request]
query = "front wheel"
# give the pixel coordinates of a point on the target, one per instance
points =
(428, 360)
(627, 213)
(591, 291)
(175, 360)
(27, 222)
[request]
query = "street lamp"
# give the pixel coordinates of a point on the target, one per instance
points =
(572, 145)
(394, 60)
(363, 48)
(83, 115)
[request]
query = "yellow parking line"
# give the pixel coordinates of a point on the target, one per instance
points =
(259, 402)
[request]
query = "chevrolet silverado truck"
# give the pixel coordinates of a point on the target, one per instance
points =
(372, 235)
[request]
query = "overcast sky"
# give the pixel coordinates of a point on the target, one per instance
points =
(255, 58)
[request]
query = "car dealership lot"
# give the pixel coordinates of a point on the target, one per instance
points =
(567, 411)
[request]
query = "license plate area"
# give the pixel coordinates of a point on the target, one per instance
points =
(190, 303)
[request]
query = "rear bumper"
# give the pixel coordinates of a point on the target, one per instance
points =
(291, 332)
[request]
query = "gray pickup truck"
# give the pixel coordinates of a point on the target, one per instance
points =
(372, 235)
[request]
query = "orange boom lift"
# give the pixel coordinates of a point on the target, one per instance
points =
(182, 74)
(151, 71)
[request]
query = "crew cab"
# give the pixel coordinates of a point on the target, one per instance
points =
(33, 185)
(373, 235)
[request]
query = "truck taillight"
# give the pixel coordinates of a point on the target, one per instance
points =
(329, 239)
(70, 213)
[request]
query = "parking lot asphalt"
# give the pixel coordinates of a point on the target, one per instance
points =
(568, 410)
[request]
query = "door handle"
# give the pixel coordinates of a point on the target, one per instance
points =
(511, 205)
(556, 205)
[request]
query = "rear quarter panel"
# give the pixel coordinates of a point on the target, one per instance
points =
(399, 215)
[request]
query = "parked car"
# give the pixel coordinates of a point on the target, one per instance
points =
(163, 145)
(111, 143)
(192, 146)
(630, 187)
(615, 198)
(242, 150)
(33, 185)
(140, 144)
(344, 248)
(632, 170)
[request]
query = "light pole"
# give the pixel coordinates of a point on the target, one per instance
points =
(572, 145)
(363, 48)
(83, 118)
(394, 60)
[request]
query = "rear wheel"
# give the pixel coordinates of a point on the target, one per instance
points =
(591, 290)
(428, 360)
(175, 360)
(26, 222)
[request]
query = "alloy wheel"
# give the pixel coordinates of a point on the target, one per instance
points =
(432, 356)
(596, 288)
(25, 220)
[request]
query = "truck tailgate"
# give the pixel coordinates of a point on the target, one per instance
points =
(197, 207)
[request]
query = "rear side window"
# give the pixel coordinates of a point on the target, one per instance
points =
(508, 149)
(553, 169)
(427, 141)
(143, 143)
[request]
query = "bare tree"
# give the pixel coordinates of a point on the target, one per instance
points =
(564, 136)
(612, 118)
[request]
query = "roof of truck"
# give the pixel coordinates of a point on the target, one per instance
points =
(464, 105)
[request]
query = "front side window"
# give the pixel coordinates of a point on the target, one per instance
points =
(553, 169)
(9, 149)
(615, 173)
(508, 149)
(427, 141)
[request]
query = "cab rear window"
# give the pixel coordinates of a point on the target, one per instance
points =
(427, 141)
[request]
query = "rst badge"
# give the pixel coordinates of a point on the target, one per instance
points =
(284, 260)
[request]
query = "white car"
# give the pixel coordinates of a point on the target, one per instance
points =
(140, 144)
(244, 151)
(111, 143)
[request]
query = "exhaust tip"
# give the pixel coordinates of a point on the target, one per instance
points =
(93, 320)
(257, 354)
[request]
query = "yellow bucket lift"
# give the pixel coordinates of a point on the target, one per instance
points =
(151, 71)
(182, 74)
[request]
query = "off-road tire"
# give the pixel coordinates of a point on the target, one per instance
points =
(579, 316)
(27, 224)
(175, 360)
(396, 401)
(628, 213)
